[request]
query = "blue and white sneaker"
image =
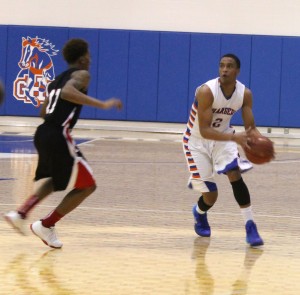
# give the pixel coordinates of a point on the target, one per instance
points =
(252, 236)
(201, 226)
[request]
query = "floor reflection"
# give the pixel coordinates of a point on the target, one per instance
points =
(36, 276)
(240, 286)
(204, 278)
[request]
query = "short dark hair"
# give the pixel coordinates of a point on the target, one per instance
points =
(74, 49)
(233, 56)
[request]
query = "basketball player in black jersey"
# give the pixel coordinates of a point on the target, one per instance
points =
(61, 165)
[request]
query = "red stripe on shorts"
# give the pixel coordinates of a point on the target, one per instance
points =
(84, 177)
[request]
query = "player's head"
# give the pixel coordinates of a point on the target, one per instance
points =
(234, 57)
(76, 52)
(229, 68)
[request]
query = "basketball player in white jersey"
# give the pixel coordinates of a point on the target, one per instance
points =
(210, 144)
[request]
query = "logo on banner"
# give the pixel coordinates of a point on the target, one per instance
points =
(37, 70)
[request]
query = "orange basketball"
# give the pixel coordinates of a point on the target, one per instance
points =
(261, 150)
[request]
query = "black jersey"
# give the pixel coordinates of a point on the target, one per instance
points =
(61, 112)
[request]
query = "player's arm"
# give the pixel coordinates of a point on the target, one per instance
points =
(205, 99)
(80, 81)
(44, 107)
(247, 113)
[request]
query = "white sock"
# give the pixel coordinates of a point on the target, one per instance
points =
(247, 213)
(199, 210)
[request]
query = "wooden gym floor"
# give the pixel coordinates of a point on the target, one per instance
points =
(135, 236)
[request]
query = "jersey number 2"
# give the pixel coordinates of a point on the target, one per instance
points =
(217, 122)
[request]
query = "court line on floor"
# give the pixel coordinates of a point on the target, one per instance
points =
(156, 211)
(147, 139)
(21, 156)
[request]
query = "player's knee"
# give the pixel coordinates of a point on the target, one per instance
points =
(87, 182)
(202, 186)
(207, 200)
(210, 198)
(91, 188)
(87, 191)
(241, 192)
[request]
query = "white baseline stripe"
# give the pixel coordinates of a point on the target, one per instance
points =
(159, 211)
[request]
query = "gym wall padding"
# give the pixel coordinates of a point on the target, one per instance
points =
(173, 81)
(265, 79)
(156, 73)
(290, 86)
(143, 72)
(113, 70)
(3, 43)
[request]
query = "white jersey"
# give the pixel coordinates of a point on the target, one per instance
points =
(223, 109)
(205, 156)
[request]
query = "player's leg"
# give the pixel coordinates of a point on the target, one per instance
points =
(17, 218)
(43, 186)
(242, 196)
(226, 162)
(79, 179)
(44, 228)
(202, 181)
(205, 202)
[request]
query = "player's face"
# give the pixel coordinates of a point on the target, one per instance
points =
(228, 70)
(86, 61)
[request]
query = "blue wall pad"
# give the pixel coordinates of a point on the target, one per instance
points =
(290, 86)
(173, 85)
(143, 76)
(154, 73)
(113, 71)
(3, 45)
(265, 79)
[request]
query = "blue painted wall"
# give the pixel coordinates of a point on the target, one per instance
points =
(156, 73)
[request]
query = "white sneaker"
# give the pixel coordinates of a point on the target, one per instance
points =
(46, 234)
(16, 221)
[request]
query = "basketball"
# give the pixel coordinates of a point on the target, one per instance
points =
(2, 92)
(261, 150)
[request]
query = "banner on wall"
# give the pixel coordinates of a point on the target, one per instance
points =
(36, 70)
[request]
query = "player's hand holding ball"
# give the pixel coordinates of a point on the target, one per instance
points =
(259, 148)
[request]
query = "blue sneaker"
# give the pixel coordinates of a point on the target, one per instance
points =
(252, 237)
(201, 226)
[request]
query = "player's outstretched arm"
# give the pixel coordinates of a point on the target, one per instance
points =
(80, 81)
